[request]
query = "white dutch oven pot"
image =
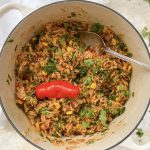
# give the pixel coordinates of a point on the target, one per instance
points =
(90, 12)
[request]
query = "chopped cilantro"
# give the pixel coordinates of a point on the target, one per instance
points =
(86, 113)
(121, 110)
(146, 34)
(104, 74)
(118, 112)
(122, 46)
(112, 96)
(44, 111)
(34, 83)
(121, 87)
(50, 67)
(96, 27)
(103, 116)
(83, 71)
(90, 142)
(63, 39)
(87, 81)
(126, 93)
(59, 124)
(139, 132)
(133, 94)
(129, 54)
(54, 48)
(68, 100)
(110, 102)
(74, 56)
(8, 82)
(66, 25)
(57, 134)
(88, 62)
(85, 124)
(81, 49)
(101, 92)
(10, 40)
(9, 77)
(95, 70)
(73, 14)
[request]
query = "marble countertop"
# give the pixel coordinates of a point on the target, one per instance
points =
(136, 11)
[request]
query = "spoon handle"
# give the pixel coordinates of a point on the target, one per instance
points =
(125, 58)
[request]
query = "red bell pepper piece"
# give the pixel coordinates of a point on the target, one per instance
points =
(57, 89)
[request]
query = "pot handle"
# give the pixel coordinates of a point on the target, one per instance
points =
(25, 10)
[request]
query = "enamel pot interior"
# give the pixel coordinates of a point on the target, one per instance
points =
(136, 106)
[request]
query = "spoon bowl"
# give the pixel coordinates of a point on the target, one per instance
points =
(97, 43)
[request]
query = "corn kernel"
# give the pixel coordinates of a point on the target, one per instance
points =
(93, 85)
(69, 112)
(45, 43)
(78, 126)
(69, 49)
(113, 42)
(43, 73)
(54, 41)
(70, 42)
(57, 105)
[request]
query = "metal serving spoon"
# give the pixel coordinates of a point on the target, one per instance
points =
(93, 39)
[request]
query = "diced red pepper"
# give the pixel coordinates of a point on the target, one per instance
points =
(57, 89)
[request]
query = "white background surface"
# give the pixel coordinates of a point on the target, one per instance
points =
(136, 11)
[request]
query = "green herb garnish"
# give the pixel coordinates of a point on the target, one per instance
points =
(86, 113)
(73, 14)
(8, 82)
(129, 54)
(85, 124)
(10, 40)
(66, 25)
(90, 142)
(126, 93)
(74, 56)
(83, 71)
(103, 116)
(121, 110)
(34, 83)
(122, 46)
(88, 62)
(68, 100)
(95, 70)
(146, 34)
(63, 39)
(104, 74)
(51, 66)
(9, 77)
(139, 132)
(133, 94)
(101, 92)
(44, 111)
(97, 27)
(54, 48)
(112, 96)
(118, 112)
(81, 49)
(87, 81)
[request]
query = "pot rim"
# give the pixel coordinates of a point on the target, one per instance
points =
(66, 1)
